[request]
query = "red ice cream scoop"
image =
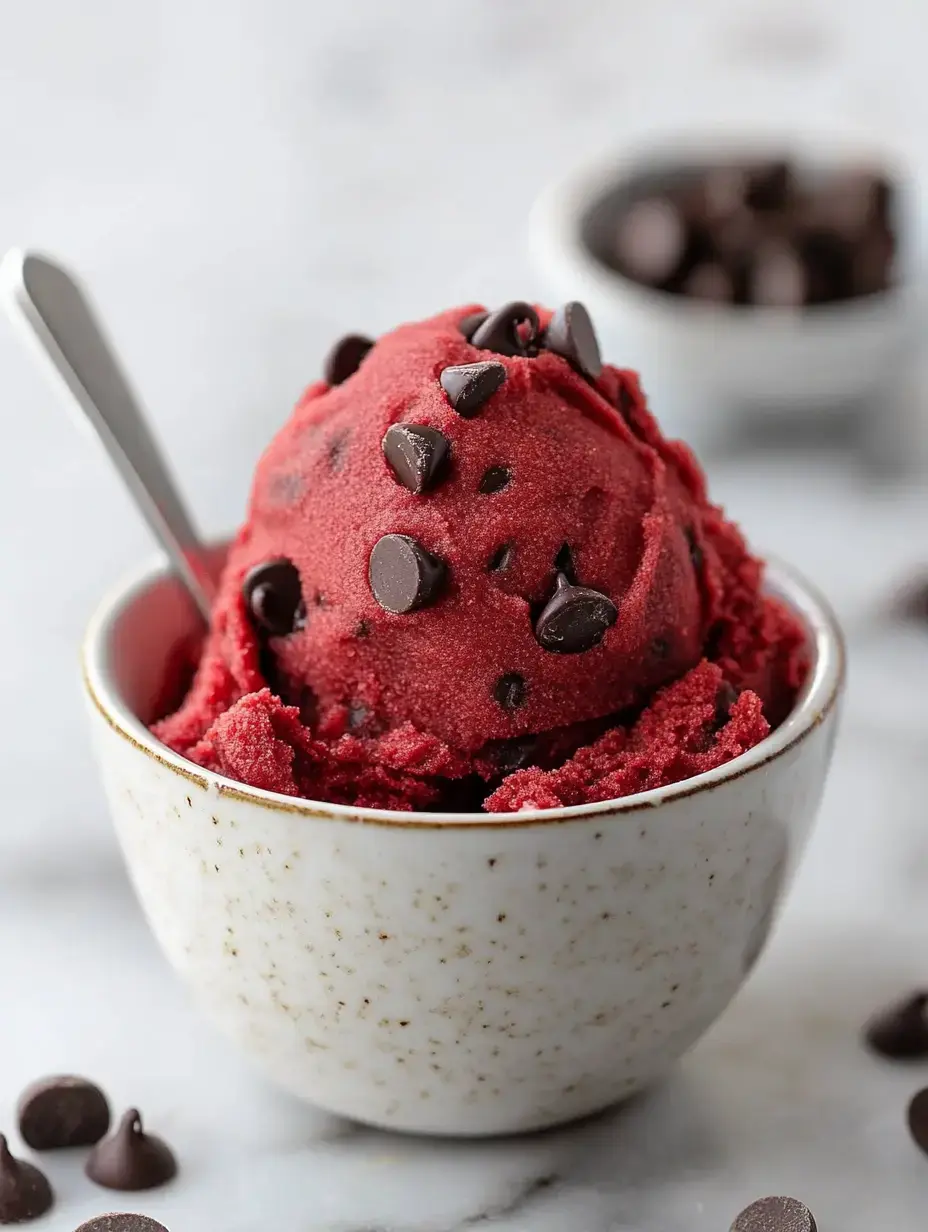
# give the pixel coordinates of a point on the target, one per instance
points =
(473, 530)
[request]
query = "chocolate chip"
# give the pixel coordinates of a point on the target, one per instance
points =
(510, 691)
(651, 240)
(345, 358)
(500, 331)
(468, 386)
(570, 334)
(468, 326)
(564, 563)
(130, 1159)
(122, 1223)
(417, 455)
(775, 1215)
(403, 575)
(710, 281)
(511, 755)
(363, 628)
(575, 619)
(274, 596)
(338, 452)
(725, 698)
(918, 1119)
(501, 559)
(24, 1191)
(778, 277)
(900, 1031)
(495, 479)
(769, 185)
(62, 1111)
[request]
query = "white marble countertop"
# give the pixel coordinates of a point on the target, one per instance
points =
(239, 189)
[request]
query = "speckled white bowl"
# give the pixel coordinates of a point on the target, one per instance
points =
(454, 974)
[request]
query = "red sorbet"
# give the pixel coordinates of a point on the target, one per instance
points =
(541, 486)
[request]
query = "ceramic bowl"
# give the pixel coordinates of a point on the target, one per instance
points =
(704, 363)
(460, 974)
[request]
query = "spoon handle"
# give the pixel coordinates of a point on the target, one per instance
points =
(52, 312)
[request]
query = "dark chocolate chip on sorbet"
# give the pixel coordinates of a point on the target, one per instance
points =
(469, 324)
(62, 1111)
(468, 386)
(564, 563)
(274, 596)
(122, 1222)
(918, 1120)
(778, 1214)
(570, 334)
(363, 628)
(696, 555)
(417, 455)
(344, 359)
(511, 755)
(404, 575)
(900, 1031)
(510, 691)
(131, 1160)
(575, 619)
(501, 331)
(725, 698)
(501, 559)
(494, 479)
(24, 1191)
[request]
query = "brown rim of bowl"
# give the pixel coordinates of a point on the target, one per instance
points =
(815, 702)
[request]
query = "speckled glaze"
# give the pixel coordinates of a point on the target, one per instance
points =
(454, 974)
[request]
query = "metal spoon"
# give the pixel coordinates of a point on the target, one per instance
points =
(54, 317)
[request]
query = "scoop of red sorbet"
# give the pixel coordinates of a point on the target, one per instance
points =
(470, 551)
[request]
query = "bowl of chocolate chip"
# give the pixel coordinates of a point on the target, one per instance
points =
(763, 275)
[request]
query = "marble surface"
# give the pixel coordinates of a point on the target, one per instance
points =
(239, 189)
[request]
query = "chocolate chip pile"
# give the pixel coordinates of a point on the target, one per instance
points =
(764, 234)
(65, 1112)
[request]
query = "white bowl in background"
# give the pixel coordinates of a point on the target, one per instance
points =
(453, 973)
(700, 362)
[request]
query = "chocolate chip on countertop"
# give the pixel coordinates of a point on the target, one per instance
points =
(651, 240)
(918, 1119)
(501, 331)
(468, 386)
(494, 479)
(417, 455)
(344, 359)
(119, 1222)
(468, 326)
(775, 1215)
(274, 596)
(575, 619)
(900, 1031)
(570, 334)
(404, 575)
(130, 1159)
(24, 1191)
(62, 1111)
(510, 691)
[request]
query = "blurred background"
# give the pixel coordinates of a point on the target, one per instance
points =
(241, 183)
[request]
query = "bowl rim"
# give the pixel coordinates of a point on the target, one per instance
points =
(816, 701)
(554, 229)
